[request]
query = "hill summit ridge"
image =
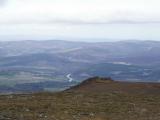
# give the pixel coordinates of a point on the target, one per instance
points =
(107, 84)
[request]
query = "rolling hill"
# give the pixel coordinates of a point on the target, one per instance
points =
(36, 62)
(107, 85)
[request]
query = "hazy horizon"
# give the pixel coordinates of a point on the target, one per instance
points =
(96, 20)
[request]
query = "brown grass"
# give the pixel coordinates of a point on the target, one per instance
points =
(83, 105)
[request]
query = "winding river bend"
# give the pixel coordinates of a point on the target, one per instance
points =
(70, 79)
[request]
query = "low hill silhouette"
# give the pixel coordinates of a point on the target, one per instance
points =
(100, 84)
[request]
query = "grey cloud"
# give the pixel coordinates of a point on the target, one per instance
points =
(64, 21)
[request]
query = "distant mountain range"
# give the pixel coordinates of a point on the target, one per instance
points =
(38, 62)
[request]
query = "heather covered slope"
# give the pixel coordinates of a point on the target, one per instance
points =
(98, 84)
(94, 99)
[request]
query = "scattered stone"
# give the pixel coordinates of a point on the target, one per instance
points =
(27, 110)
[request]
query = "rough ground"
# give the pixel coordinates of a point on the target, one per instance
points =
(94, 99)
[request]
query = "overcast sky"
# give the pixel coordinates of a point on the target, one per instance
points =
(80, 19)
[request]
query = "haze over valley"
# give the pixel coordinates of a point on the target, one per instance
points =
(56, 64)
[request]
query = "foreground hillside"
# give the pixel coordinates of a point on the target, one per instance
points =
(94, 99)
